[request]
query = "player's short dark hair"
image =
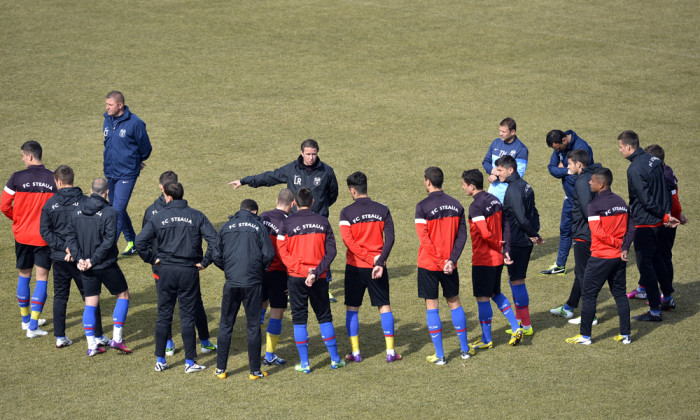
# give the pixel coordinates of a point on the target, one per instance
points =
(249, 205)
(309, 143)
(473, 177)
(555, 136)
(99, 186)
(116, 95)
(656, 150)
(581, 156)
(304, 197)
(605, 175)
(508, 122)
(435, 176)
(285, 197)
(166, 177)
(64, 174)
(629, 138)
(33, 148)
(507, 161)
(358, 181)
(174, 190)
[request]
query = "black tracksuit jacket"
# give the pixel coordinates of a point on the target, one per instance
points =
(519, 208)
(650, 200)
(93, 233)
(55, 219)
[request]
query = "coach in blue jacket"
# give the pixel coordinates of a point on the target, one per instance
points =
(126, 147)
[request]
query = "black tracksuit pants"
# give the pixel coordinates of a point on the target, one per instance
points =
(651, 265)
(63, 273)
(252, 299)
(582, 252)
(200, 317)
(181, 284)
(599, 271)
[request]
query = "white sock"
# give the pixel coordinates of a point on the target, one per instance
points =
(117, 334)
(390, 352)
(92, 342)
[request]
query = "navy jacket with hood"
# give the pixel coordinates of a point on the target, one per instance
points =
(244, 249)
(56, 218)
(126, 145)
(519, 208)
(649, 198)
(567, 180)
(582, 196)
(93, 233)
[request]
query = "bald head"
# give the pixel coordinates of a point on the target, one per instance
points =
(100, 187)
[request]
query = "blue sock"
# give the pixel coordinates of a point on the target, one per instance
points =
(262, 316)
(205, 342)
(485, 316)
(89, 320)
(641, 288)
(121, 308)
(435, 329)
(459, 320)
(504, 306)
(567, 307)
(522, 301)
(160, 359)
(587, 337)
(169, 345)
(352, 323)
(23, 297)
(301, 337)
(274, 327)
(37, 303)
(189, 362)
(388, 324)
(328, 335)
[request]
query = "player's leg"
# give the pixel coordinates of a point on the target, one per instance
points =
(617, 281)
(517, 272)
(252, 303)
(318, 298)
(230, 304)
(167, 296)
(76, 275)
(565, 237)
(187, 292)
(646, 242)
(450, 290)
(274, 287)
(664, 267)
(120, 200)
(42, 265)
(169, 344)
(482, 288)
(92, 288)
(113, 279)
(298, 300)
(594, 278)
(428, 289)
(379, 297)
(62, 280)
(355, 285)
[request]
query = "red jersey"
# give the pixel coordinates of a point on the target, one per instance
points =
(367, 230)
(488, 229)
(612, 228)
(441, 230)
(273, 220)
(23, 198)
(305, 240)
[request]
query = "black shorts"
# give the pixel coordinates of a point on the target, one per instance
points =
(358, 279)
(521, 258)
(274, 288)
(300, 296)
(486, 280)
(30, 255)
(112, 277)
(428, 283)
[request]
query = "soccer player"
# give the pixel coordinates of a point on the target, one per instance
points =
(306, 171)
(562, 143)
(55, 221)
(521, 213)
(275, 278)
(490, 249)
(668, 236)
(126, 147)
(507, 143)
(244, 252)
(612, 231)
(442, 233)
(200, 316)
(578, 165)
(92, 242)
(179, 230)
(24, 195)
(307, 247)
(650, 207)
(367, 230)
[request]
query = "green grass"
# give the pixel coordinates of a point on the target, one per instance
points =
(229, 89)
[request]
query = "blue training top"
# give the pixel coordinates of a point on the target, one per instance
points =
(498, 149)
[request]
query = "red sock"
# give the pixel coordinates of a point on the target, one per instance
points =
(523, 314)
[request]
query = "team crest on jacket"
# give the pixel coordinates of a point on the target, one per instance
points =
(106, 132)
(122, 133)
(317, 181)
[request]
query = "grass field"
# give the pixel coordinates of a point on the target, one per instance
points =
(390, 87)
